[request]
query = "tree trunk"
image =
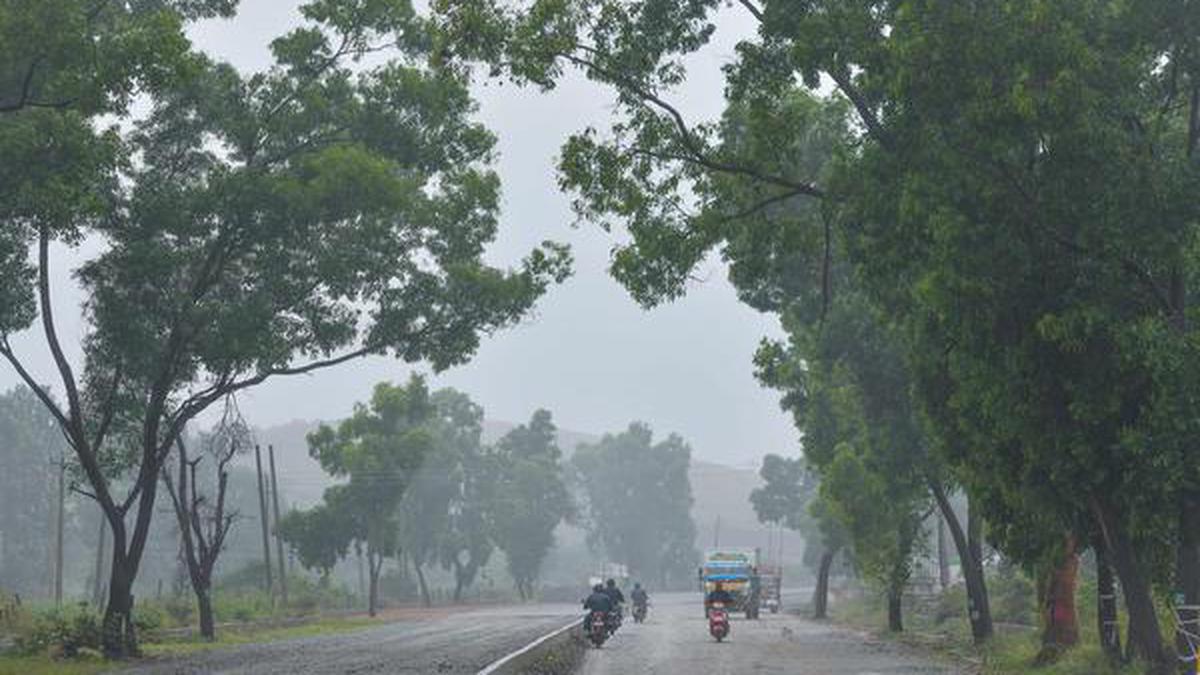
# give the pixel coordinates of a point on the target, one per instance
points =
(943, 554)
(425, 599)
(460, 574)
(970, 555)
(373, 582)
(895, 605)
(821, 592)
(1144, 639)
(118, 638)
(98, 578)
(1060, 624)
(208, 628)
(1106, 603)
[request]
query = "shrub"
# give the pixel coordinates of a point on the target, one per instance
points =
(64, 630)
(1013, 596)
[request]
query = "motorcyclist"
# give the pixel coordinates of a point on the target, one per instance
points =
(717, 594)
(598, 601)
(639, 596)
(618, 599)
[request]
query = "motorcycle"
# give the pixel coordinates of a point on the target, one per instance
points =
(598, 628)
(614, 619)
(718, 621)
(639, 613)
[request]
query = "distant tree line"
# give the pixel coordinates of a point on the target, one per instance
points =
(417, 485)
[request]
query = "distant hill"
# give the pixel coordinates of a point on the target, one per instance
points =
(718, 490)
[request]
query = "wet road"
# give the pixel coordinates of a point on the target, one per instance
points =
(675, 641)
(458, 643)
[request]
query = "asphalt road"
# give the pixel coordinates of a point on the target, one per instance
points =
(457, 643)
(675, 641)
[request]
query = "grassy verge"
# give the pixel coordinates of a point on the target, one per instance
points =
(89, 663)
(1012, 652)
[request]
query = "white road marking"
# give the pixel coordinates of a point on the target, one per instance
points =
(498, 663)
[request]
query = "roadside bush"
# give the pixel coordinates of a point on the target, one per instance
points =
(180, 609)
(242, 607)
(65, 631)
(951, 604)
(1013, 596)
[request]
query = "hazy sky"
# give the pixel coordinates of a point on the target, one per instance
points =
(588, 353)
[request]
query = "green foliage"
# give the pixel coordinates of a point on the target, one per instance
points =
(639, 502)
(378, 450)
(65, 631)
(527, 497)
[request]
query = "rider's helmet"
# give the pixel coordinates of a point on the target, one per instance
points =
(637, 585)
(598, 588)
(611, 583)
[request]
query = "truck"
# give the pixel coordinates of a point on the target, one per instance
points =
(770, 581)
(737, 571)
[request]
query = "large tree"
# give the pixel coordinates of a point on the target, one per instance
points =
(440, 514)
(527, 497)
(379, 451)
(639, 502)
(273, 224)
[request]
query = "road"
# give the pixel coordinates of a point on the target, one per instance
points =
(461, 642)
(675, 641)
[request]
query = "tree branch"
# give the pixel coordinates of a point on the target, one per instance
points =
(42, 394)
(47, 312)
(753, 9)
(686, 135)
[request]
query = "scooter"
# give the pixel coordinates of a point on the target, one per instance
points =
(718, 621)
(639, 613)
(598, 630)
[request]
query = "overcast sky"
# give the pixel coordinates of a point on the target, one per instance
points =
(588, 354)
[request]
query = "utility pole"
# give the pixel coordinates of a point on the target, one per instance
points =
(262, 510)
(278, 539)
(97, 580)
(58, 550)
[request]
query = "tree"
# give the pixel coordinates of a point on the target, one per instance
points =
(527, 497)
(790, 496)
(439, 515)
(203, 518)
(274, 224)
(639, 502)
(379, 449)
(466, 529)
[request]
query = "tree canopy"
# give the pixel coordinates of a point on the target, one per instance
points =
(639, 501)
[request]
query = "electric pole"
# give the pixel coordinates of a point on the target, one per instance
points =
(278, 539)
(262, 510)
(58, 551)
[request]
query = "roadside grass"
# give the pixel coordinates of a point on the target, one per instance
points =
(91, 662)
(44, 665)
(1013, 650)
(241, 635)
